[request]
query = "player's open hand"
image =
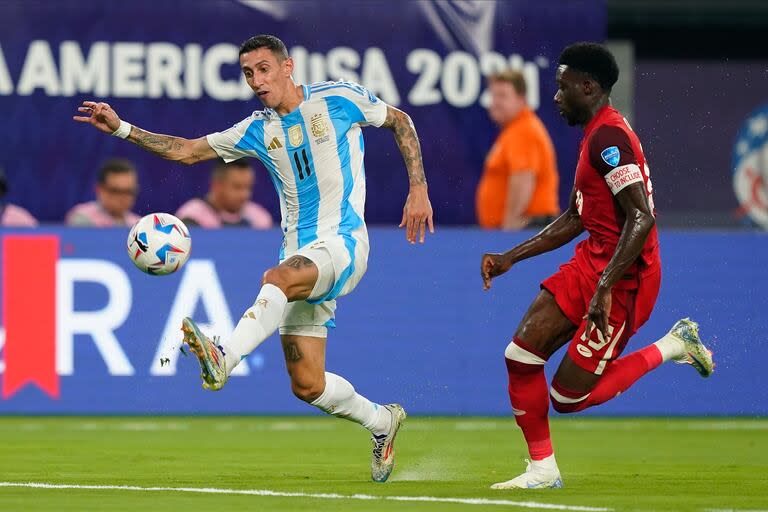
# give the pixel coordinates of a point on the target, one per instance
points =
(99, 115)
(493, 265)
(599, 312)
(417, 214)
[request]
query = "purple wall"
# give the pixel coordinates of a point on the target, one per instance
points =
(687, 114)
(437, 48)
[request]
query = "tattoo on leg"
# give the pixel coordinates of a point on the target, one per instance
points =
(292, 352)
(298, 262)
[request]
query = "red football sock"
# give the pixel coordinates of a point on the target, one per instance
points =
(618, 377)
(528, 394)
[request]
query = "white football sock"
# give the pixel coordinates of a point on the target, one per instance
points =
(340, 399)
(547, 464)
(670, 347)
(257, 324)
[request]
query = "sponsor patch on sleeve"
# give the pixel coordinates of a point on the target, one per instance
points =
(611, 156)
(622, 177)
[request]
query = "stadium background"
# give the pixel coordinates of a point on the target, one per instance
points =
(702, 118)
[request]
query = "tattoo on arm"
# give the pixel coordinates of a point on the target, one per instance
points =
(405, 134)
(298, 262)
(291, 351)
(162, 145)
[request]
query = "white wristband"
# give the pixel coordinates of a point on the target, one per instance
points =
(124, 130)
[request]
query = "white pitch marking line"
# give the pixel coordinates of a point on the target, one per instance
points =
(284, 494)
(732, 510)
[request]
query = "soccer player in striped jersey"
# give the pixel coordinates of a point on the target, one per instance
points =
(310, 140)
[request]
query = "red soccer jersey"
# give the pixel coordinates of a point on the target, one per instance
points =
(610, 159)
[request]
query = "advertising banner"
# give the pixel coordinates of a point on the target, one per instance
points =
(172, 67)
(84, 332)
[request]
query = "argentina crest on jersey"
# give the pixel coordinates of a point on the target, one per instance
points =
(295, 135)
(610, 155)
(319, 128)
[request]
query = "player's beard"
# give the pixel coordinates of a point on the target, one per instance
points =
(575, 117)
(568, 117)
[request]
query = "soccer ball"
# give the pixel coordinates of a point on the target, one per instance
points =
(159, 244)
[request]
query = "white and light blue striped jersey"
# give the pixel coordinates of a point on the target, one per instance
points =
(314, 156)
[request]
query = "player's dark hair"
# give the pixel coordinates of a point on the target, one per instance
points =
(222, 168)
(270, 42)
(114, 166)
(593, 59)
(513, 77)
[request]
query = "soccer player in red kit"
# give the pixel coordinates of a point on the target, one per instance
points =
(598, 299)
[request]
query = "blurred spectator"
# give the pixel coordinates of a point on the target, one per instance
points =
(228, 200)
(519, 183)
(116, 193)
(10, 214)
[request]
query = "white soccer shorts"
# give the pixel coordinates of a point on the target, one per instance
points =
(341, 263)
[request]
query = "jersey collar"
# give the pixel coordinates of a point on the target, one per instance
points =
(272, 114)
(597, 119)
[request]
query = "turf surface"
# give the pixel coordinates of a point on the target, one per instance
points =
(619, 464)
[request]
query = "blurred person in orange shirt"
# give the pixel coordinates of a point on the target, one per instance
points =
(519, 184)
(11, 215)
(116, 192)
(228, 202)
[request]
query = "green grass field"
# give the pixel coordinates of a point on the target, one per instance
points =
(616, 464)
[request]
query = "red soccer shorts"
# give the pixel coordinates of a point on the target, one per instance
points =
(632, 303)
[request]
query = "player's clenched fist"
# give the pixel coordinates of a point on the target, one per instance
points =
(99, 115)
(493, 265)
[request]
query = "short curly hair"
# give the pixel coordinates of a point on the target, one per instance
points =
(595, 60)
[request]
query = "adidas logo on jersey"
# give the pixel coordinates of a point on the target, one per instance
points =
(275, 144)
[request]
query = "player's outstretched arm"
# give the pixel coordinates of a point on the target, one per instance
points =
(186, 151)
(564, 229)
(417, 213)
(638, 224)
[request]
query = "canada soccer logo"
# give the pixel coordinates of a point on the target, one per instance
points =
(750, 167)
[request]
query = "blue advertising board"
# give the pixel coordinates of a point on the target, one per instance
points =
(171, 67)
(418, 329)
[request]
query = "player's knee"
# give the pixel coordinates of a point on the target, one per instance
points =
(279, 277)
(289, 280)
(307, 390)
(561, 407)
(307, 393)
(521, 360)
(566, 402)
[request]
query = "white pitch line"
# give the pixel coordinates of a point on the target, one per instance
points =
(327, 496)
(733, 510)
(676, 425)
